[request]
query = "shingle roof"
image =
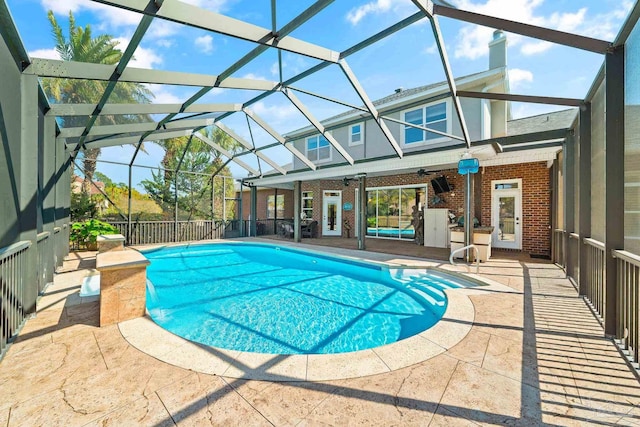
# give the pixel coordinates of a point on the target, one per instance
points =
(396, 96)
(542, 122)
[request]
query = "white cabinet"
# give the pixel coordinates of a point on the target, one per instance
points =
(436, 228)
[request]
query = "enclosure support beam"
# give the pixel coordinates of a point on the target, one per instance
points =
(450, 80)
(547, 34)
(27, 182)
(549, 100)
(197, 17)
(553, 209)
(297, 211)
(127, 55)
(614, 181)
(362, 190)
(353, 80)
(129, 201)
(288, 145)
(254, 210)
(317, 124)
(568, 168)
(585, 191)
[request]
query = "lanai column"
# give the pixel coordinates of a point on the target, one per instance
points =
(253, 211)
(362, 232)
(568, 170)
(297, 200)
(27, 184)
(585, 192)
(614, 181)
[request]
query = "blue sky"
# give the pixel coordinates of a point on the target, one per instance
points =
(406, 59)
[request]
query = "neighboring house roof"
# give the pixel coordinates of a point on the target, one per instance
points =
(542, 122)
(95, 187)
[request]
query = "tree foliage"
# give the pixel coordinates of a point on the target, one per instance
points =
(196, 162)
(82, 46)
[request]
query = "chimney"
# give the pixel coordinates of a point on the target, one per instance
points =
(498, 50)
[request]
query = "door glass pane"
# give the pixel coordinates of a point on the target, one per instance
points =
(506, 231)
(332, 216)
(372, 217)
(407, 202)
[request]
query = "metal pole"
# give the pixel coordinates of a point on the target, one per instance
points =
(254, 208)
(614, 183)
(362, 232)
(224, 198)
(468, 216)
(175, 211)
(240, 210)
(297, 208)
(585, 192)
(129, 209)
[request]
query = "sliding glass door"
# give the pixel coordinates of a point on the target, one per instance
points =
(390, 212)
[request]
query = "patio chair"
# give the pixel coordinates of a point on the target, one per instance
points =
(286, 230)
(310, 230)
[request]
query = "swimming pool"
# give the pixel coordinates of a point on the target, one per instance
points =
(269, 299)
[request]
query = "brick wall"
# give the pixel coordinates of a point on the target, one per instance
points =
(536, 202)
(263, 194)
(535, 198)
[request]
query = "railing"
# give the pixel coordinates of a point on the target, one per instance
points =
(558, 247)
(57, 244)
(44, 247)
(12, 272)
(628, 269)
(595, 287)
(464, 249)
(572, 257)
(265, 227)
(151, 232)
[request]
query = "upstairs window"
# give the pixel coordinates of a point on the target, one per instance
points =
(318, 148)
(432, 116)
(356, 134)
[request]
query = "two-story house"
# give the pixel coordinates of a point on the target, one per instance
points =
(512, 189)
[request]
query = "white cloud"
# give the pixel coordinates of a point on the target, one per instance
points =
(212, 5)
(160, 28)
(472, 41)
(142, 57)
(163, 95)
(355, 15)
(275, 68)
(111, 17)
(535, 47)
(253, 76)
(518, 76)
(430, 50)
(205, 44)
(274, 114)
(45, 53)
(165, 43)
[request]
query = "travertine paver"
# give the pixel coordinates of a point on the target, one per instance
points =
(534, 355)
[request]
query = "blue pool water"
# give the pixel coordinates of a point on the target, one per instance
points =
(266, 299)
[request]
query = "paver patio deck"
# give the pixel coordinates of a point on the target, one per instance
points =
(534, 356)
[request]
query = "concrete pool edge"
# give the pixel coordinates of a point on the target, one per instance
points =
(456, 323)
(148, 337)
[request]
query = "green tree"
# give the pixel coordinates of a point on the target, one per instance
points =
(82, 46)
(194, 189)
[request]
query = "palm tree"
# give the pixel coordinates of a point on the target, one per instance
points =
(83, 47)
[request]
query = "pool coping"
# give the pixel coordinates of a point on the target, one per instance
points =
(148, 337)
